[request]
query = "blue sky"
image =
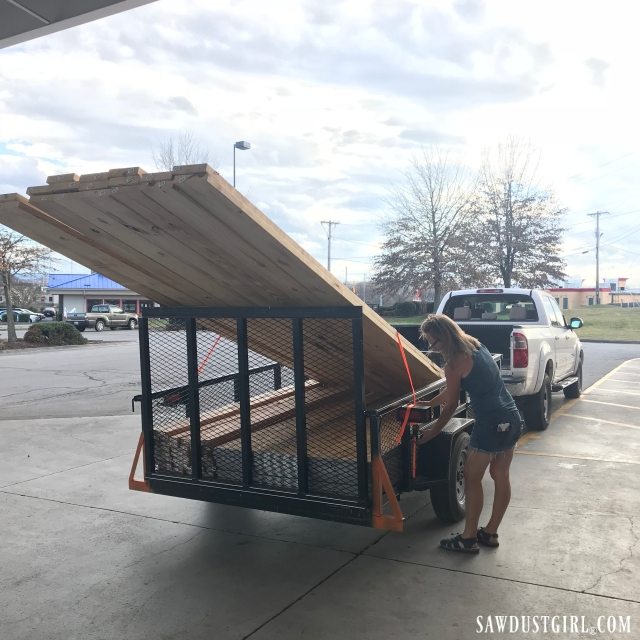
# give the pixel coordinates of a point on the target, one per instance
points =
(337, 99)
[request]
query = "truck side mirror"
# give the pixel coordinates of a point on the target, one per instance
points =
(575, 323)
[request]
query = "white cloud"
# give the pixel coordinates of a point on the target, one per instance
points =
(336, 99)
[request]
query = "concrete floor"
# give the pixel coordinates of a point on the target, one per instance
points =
(83, 558)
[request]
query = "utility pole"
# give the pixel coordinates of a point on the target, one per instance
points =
(597, 214)
(330, 224)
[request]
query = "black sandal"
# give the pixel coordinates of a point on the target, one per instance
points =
(487, 539)
(460, 544)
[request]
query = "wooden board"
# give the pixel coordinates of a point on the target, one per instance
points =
(188, 238)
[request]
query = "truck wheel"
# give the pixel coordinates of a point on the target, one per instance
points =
(80, 328)
(132, 324)
(99, 325)
(537, 409)
(575, 390)
(448, 500)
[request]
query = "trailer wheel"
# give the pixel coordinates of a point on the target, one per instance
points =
(575, 390)
(537, 408)
(448, 500)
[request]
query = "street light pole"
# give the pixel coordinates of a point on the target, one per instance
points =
(243, 145)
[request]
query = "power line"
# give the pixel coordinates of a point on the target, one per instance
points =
(581, 175)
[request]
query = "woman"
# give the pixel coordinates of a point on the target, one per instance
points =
(498, 425)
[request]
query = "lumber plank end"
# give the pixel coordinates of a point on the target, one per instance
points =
(39, 190)
(194, 169)
(63, 177)
(159, 176)
(93, 177)
(126, 171)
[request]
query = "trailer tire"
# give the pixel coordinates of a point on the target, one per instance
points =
(575, 390)
(537, 408)
(448, 500)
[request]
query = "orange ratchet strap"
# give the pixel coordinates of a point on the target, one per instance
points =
(413, 391)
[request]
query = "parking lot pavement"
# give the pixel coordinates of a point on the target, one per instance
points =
(85, 558)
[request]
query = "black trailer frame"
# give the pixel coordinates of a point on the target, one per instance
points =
(267, 435)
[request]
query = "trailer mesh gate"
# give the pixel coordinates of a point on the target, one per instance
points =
(259, 407)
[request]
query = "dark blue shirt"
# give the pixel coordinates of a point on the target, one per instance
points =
(487, 393)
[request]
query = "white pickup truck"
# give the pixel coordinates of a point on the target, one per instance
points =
(540, 351)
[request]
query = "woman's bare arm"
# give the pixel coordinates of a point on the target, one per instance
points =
(447, 398)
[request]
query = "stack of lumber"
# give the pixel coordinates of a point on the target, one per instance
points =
(331, 446)
(187, 238)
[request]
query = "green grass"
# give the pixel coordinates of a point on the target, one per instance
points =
(606, 322)
(602, 322)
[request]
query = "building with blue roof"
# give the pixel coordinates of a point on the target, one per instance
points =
(77, 292)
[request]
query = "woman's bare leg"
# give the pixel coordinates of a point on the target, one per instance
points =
(499, 470)
(474, 470)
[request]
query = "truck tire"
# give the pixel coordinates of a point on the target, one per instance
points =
(537, 408)
(448, 500)
(132, 324)
(80, 328)
(99, 325)
(575, 390)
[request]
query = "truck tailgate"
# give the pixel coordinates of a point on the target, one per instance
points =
(496, 337)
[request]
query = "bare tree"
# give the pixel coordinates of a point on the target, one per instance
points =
(26, 293)
(181, 150)
(431, 231)
(520, 221)
(18, 256)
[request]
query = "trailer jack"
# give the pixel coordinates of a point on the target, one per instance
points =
(138, 485)
(381, 485)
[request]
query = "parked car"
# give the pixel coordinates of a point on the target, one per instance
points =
(102, 316)
(21, 315)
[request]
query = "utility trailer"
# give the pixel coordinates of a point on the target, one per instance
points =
(268, 408)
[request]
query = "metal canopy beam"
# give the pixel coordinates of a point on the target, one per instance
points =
(22, 20)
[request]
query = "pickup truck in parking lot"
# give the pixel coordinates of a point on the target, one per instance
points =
(102, 316)
(540, 351)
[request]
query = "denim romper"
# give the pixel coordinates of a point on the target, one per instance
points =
(498, 422)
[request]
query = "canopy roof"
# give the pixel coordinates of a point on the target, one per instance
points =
(22, 20)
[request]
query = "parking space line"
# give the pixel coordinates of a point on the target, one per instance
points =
(617, 424)
(542, 454)
(609, 375)
(610, 404)
(630, 393)
(527, 437)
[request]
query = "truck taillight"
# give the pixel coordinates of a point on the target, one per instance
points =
(520, 351)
